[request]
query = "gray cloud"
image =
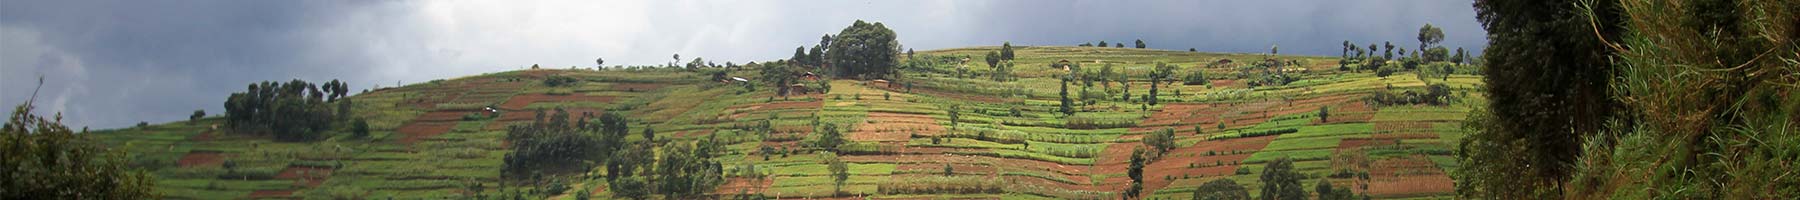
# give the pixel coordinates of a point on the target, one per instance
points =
(114, 63)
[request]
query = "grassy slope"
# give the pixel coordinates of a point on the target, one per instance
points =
(1032, 154)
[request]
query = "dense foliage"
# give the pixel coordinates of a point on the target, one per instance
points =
(292, 111)
(1221, 189)
(549, 145)
(864, 50)
(1280, 182)
(46, 160)
(1678, 100)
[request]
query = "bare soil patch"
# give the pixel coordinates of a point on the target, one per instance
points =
(200, 159)
(415, 131)
(517, 103)
(1408, 176)
(894, 127)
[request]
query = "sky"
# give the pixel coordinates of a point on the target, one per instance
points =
(112, 64)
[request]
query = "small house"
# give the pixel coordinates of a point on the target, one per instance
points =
(801, 88)
(884, 83)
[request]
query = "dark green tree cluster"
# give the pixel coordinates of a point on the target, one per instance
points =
(688, 171)
(292, 111)
(1140, 44)
(829, 138)
(1221, 189)
(1160, 141)
(192, 118)
(1327, 192)
(1281, 182)
(865, 50)
(1547, 81)
(551, 145)
(840, 172)
(46, 160)
(1136, 172)
(560, 81)
(1636, 99)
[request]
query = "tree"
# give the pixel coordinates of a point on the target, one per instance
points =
(954, 109)
(599, 62)
(1140, 43)
(1221, 189)
(1389, 53)
(830, 137)
(687, 171)
(1006, 51)
(840, 172)
(1160, 141)
(1429, 35)
(292, 111)
(948, 171)
(1323, 188)
(1324, 113)
(1136, 172)
(46, 160)
(864, 49)
(1106, 74)
(1119, 45)
(1458, 57)
(1067, 109)
(1548, 76)
(1155, 79)
(196, 116)
(649, 133)
(1192, 50)
(360, 129)
(799, 57)
(677, 58)
(1281, 182)
(993, 59)
(1103, 43)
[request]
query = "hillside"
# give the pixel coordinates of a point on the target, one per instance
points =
(939, 131)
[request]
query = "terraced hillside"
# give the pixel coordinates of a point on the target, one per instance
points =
(944, 129)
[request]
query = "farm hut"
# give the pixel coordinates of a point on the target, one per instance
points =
(801, 88)
(883, 82)
(1064, 63)
(809, 76)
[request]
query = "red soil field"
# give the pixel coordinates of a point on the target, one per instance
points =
(1176, 162)
(892, 127)
(1406, 177)
(200, 158)
(518, 103)
(734, 185)
(415, 131)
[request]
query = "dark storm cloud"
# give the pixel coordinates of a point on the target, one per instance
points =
(114, 63)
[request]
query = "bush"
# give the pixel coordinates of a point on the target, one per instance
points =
(559, 81)
(1197, 77)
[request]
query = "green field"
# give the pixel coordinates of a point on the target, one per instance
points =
(1008, 140)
